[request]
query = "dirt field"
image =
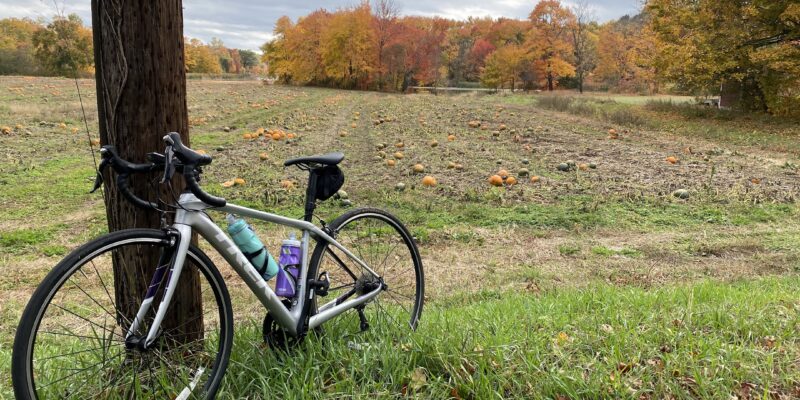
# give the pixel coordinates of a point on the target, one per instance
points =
(619, 223)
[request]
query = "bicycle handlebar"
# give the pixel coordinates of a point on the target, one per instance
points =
(189, 164)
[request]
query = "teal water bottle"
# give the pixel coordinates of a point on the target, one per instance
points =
(247, 241)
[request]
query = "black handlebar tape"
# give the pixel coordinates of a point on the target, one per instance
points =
(194, 187)
(122, 184)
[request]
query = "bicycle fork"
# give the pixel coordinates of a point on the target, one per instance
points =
(173, 259)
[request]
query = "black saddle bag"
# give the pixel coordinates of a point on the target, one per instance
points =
(329, 180)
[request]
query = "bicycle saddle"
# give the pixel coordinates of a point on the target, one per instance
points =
(311, 161)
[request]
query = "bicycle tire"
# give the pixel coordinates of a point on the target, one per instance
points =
(25, 340)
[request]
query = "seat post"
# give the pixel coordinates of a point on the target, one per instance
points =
(311, 196)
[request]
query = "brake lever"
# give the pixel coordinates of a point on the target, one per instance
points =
(169, 166)
(98, 180)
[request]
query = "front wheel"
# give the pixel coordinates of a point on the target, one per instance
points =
(73, 339)
(385, 245)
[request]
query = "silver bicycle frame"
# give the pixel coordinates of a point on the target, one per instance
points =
(191, 217)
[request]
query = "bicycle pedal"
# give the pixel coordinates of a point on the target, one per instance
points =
(321, 285)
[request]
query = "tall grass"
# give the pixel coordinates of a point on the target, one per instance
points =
(605, 109)
(704, 341)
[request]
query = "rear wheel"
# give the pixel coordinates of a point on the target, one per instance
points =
(385, 245)
(71, 341)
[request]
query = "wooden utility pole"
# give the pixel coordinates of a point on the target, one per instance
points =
(141, 96)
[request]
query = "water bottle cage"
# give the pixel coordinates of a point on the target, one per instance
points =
(251, 256)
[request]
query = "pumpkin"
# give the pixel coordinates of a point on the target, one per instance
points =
(755, 181)
(418, 168)
(496, 180)
(503, 173)
(672, 160)
(681, 194)
(400, 186)
(434, 143)
(429, 181)
(474, 124)
(502, 127)
(353, 125)
(511, 181)
(287, 184)
(228, 184)
(398, 155)
(247, 136)
(263, 156)
(451, 138)
(382, 154)
(291, 135)
(459, 167)
(95, 142)
(276, 136)
(535, 179)
(390, 163)
(259, 131)
(451, 165)
(583, 167)
(74, 130)
(6, 130)
(62, 125)
(238, 181)
(399, 145)
(523, 172)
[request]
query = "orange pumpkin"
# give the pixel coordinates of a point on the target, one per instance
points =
(511, 181)
(287, 184)
(390, 163)
(503, 173)
(496, 180)
(276, 136)
(247, 136)
(398, 155)
(429, 181)
(238, 181)
(418, 168)
(263, 156)
(451, 138)
(672, 160)
(227, 184)
(535, 179)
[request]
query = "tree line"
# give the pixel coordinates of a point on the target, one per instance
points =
(63, 47)
(678, 46)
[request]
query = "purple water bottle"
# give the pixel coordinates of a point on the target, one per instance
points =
(291, 253)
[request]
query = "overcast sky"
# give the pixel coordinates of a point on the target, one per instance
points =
(248, 24)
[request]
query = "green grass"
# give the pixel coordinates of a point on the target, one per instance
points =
(701, 341)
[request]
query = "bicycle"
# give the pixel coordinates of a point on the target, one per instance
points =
(97, 326)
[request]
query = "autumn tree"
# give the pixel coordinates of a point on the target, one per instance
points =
(64, 46)
(16, 47)
(476, 59)
(200, 58)
(384, 25)
(549, 42)
(505, 67)
(346, 46)
(295, 55)
(704, 44)
(584, 42)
